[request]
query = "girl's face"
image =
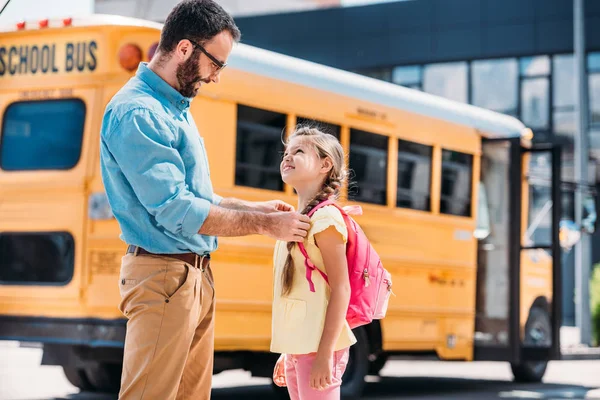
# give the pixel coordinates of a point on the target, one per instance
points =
(301, 163)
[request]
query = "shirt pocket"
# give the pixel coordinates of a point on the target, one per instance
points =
(293, 312)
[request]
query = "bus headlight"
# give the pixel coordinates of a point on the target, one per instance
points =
(98, 207)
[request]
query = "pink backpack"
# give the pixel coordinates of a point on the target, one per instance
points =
(370, 283)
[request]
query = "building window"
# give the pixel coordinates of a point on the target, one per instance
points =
(368, 161)
(383, 74)
(495, 85)
(457, 172)
(42, 135)
(447, 80)
(324, 127)
(409, 76)
(414, 175)
(259, 148)
(535, 92)
(563, 95)
(594, 87)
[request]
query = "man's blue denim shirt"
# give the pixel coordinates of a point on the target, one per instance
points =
(154, 167)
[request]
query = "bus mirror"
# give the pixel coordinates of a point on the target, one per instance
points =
(589, 220)
(482, 230)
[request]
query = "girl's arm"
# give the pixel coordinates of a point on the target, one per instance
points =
(333, 250)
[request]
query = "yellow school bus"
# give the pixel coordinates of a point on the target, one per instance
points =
(444, 189)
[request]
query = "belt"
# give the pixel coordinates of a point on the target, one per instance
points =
(196, 260)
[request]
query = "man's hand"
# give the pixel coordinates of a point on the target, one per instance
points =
(287, 226)
(272, 206)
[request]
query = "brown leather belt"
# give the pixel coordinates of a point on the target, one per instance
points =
(195, 260)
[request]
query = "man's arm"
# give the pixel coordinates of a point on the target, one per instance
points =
(258, 206)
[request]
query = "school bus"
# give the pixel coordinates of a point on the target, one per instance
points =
(444, 188)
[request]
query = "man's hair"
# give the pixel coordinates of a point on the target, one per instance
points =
(198, 20)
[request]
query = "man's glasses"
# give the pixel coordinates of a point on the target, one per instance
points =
(218, 64)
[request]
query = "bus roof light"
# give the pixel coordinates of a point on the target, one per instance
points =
(130, 55)
(21, 25)
(43, 23)
(67, 21)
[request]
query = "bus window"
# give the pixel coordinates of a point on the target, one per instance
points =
(414, 175)
(368, 161)
(320, 125)
(37, 258)
(42, 135)
(259, 148)
(457, 172)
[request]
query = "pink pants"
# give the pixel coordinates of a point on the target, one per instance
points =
(297, 375)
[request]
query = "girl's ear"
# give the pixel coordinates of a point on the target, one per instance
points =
(326, 165)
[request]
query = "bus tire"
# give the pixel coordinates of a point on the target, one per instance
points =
(77, 377)
(538, 331)
(104, 377)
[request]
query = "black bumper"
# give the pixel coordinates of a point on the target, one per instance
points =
(86, 332)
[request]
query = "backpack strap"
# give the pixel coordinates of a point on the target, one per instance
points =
(310, 267)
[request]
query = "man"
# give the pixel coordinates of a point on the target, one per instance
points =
(155, 171)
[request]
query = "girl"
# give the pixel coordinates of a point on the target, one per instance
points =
(310, 328)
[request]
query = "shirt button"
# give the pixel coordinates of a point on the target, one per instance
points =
(182, 101)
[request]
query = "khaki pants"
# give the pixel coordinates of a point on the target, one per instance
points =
(169, 345)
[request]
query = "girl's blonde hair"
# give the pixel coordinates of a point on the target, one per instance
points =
(326, 146)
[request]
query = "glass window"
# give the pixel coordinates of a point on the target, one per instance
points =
(457, 172)
(595, 98)
(594, 62)
(383, 74)
(37, 258)
(535, 103)
(320, 125)
(535, 66)
(447, 80)
(495, 85)
(414, 175)
(368, 162)
(407, 76)
(563, 81)
(42, 135)
(564, 123)
(259, 148)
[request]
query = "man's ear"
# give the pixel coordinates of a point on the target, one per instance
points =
(184, 50)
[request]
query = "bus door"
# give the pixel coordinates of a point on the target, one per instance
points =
(518, 255)
(44, 159)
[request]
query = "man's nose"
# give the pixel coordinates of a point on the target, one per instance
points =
(216, 77)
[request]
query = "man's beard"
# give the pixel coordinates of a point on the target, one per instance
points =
(188, 75)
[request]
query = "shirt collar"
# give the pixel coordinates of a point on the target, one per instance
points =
(162, 88)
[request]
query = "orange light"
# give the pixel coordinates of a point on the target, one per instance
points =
(152, 50)
(67, 21)
(43, 23)
(130, 55)
(21, 25)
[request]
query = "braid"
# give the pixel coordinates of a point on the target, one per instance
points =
(331, 188)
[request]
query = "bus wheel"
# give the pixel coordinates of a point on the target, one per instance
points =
(104, 377)
(538, 332)
(77, 377)
(353, 381)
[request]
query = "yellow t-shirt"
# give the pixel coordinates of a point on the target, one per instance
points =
(299, 317)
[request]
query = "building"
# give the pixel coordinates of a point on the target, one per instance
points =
(511, 56)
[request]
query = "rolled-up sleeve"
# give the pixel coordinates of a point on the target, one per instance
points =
(143, 145)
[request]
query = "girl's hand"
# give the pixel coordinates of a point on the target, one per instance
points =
(321, 372)
(279, 372)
